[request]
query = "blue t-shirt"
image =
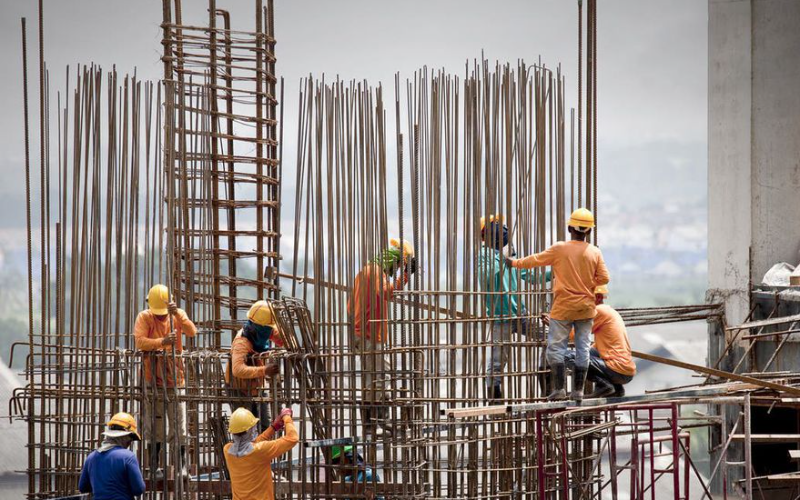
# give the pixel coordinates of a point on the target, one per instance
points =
(113, 475)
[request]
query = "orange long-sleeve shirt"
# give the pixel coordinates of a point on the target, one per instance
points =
(371, 292)
(611, 340)
(245, 373)
(148, 332)
(251, 475)
(578, 268)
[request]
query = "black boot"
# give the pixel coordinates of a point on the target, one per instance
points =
(155, 457)
(496, 396)
(557, 382)
(578, 381)
(619, 391)
(184, 472)
(603, 388)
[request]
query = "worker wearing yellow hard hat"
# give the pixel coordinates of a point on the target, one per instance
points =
(112, 470)
(249, 454)
(367, 309)
(578, 268)
(507, 310)
(158, 330)
(611, 364)
(247, 369)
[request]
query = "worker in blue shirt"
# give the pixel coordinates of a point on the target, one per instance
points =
(111, 472)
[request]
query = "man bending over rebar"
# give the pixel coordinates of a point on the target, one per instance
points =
(506, 309)
(367, 307)
(578, 268)
(160, 328)
(246, 372)
(611, 364)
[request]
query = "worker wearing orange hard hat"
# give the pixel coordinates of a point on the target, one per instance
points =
(578, 268)
(163, 373)
(111, 471)
(367, 307)
(249, 454)
(246, 371)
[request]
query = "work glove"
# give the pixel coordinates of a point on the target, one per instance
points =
(278, 423)
(411, 266)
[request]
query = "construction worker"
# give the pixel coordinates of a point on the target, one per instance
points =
(163, 373)
(250, 454)
(507, 311)
(611, 365)
(111, 472)
(367, 306)
(578, 268)
(245, 373)
(352, 466)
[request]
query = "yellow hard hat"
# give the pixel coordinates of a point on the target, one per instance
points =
(601, 290)
(261, 313)
(408, 248)
(157, 299)
(581, 218)
(492, 218)
(125, 424)
(241, 420)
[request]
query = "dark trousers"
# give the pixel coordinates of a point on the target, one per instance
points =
(598, 369)
(258, 408)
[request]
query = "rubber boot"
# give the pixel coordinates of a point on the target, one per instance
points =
(557, 382)
(603, 388)
(495, 395)
(155, 457)
(619, 391)
(184, 472)
(578, 381)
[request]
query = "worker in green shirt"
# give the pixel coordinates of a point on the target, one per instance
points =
(506, 309)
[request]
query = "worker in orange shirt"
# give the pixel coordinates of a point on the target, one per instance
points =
(163, 373)
(246, 372)
(367, 307)
(578, 268)
(611, 364)
(250, 454)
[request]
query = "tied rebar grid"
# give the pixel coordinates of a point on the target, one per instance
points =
(221, 159)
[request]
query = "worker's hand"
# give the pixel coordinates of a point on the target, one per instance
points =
(169, 339)
(509, 262)
(277, 424)
(546, 319)
(411, 266)
(272, 369)
(172, 308)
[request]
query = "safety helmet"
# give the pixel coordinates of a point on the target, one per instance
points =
(122, 424)
(241, 420)
(601, 290)
(492, 218)
(261, 313)
(408, 248)
(157, 299)
(336, 451)
(582, 220)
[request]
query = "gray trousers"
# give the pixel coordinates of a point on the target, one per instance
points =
(500, 332)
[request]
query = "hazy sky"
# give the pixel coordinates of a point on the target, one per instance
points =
(652, 63)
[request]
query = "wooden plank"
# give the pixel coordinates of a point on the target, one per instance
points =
(794, 454)
(768, 438)
(766, 322)
(478, 411)
(718, 373)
